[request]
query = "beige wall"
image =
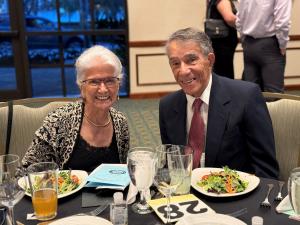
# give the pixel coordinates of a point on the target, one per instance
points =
(155, 20)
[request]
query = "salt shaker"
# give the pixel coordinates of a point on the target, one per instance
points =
(257, 220)
(118, 210)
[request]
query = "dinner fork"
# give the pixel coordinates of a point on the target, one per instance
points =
(94, 212)
(279, 195)
(266, 202)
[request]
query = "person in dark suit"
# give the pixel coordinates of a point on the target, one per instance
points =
(238, 128)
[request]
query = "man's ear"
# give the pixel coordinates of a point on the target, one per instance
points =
(211, 58)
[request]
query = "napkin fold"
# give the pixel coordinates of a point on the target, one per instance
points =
(133, 191)
(285, 207)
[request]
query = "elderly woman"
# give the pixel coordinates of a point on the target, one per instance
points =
(84, 134)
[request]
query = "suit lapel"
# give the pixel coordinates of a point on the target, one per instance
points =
(218, 114)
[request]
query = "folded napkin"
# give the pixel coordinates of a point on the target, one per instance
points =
(285, 207)
(133, 191)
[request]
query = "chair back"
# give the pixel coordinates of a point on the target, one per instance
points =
(285, 115)
(28, 116)
(3, 126)
(276, 96)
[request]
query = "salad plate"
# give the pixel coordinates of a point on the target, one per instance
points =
(198, 173)
(211, 219)
(80, 174)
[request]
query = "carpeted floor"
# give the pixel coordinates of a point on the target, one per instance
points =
(143, 121)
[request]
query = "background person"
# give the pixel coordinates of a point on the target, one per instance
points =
(224, 48)
(238, 128)
(264, 28)
(84, 134)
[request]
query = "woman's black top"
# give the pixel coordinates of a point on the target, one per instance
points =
(215, 14)
(87, 157)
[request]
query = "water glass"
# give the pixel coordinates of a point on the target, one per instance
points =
(44, 188)
(294, 189)
(141, 163)
(11, 172)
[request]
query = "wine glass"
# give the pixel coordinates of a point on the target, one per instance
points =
(169, 173)
(10, 191)
(141, 163)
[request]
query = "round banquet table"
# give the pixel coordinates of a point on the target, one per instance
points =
(72, 205)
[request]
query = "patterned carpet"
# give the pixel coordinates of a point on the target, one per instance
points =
(143, 121)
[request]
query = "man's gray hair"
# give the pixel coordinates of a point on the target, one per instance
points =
(192, 34)
(83, 61)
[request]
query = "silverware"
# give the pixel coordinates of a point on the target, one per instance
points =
(94, 212)
(238, 213)
(279, 195)
(266, 202)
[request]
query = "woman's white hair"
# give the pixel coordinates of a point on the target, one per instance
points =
(83, 61)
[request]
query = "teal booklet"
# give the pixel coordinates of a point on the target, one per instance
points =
(112, 176)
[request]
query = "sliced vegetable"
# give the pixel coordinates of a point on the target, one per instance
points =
(225, 181)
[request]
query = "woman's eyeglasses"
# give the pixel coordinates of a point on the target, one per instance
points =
(108, 82)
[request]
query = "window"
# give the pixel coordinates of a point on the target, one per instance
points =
(55, 32)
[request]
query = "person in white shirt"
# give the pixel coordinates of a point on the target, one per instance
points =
(264, 28)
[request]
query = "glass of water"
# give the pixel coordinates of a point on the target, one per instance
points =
(141, 163)
(12, 175)
(294, 189)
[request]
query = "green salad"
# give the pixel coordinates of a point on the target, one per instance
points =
(227, 181)
(66, 183)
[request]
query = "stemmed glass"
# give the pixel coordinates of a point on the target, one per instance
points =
(169, 173)
(10, 191)
(141, 163)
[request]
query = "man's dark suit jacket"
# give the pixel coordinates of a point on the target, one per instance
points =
(239, 127)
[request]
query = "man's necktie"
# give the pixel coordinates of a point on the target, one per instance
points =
(196, 134)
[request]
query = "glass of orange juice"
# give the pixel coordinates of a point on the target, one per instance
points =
(44, 188)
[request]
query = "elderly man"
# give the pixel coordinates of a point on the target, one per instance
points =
(231, 126)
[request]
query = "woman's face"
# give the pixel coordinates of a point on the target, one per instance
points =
(100, 86)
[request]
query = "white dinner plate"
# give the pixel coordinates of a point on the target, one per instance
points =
(81, 220)
(198, 173)
(81, 174)
(209, 219)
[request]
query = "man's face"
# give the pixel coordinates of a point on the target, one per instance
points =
(190, 67)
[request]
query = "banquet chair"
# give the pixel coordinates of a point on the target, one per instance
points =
(285, 116)
(271, 96)
(28, 115)
(3, 126)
